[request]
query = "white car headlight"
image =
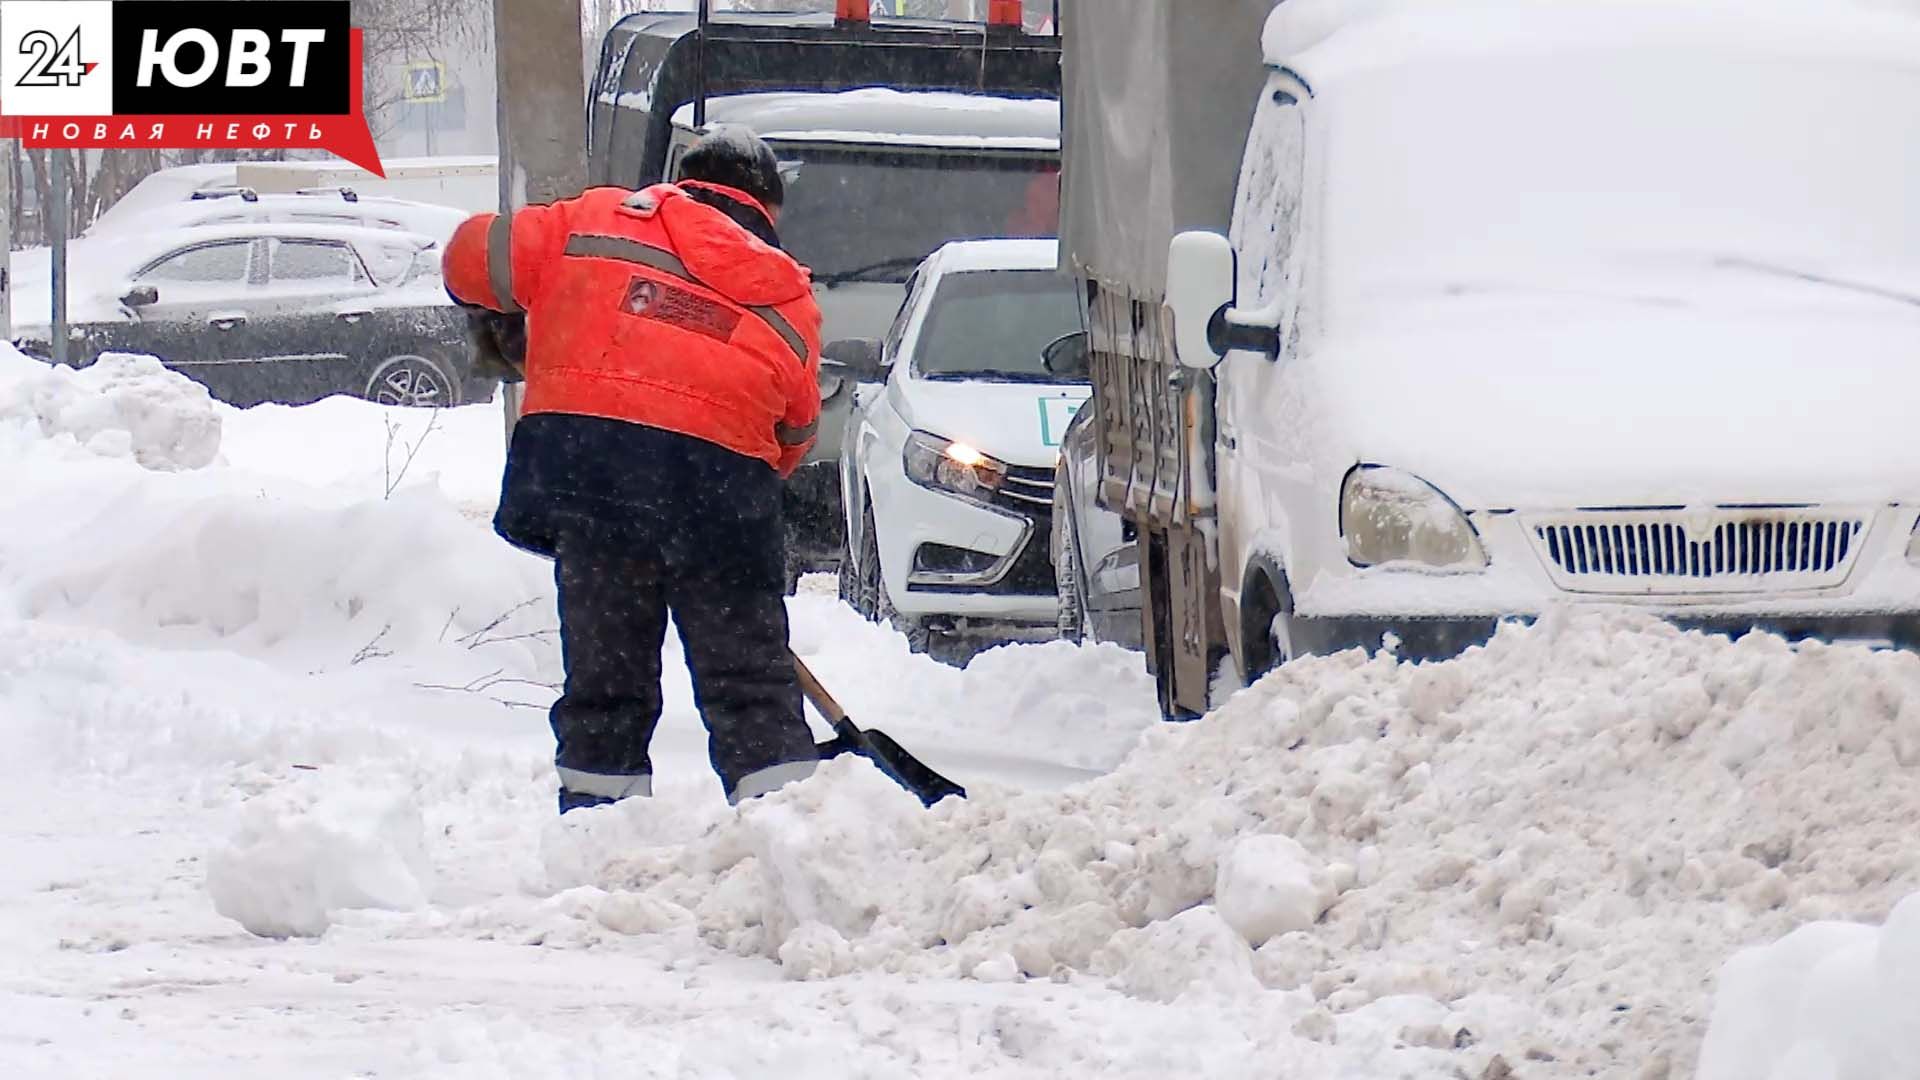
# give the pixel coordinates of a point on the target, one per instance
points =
(953, 468)
(1389, 516)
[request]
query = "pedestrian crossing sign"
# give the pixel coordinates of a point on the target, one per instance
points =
(426, 82)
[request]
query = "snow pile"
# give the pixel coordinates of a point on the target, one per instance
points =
(1079, 706)
(1830, 1001)
(289, 868)
(119, 406)
(351, 584)
(1549, 843)
(321, 571)
(364, 451)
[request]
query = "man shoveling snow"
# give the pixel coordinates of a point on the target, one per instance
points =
(671, 361)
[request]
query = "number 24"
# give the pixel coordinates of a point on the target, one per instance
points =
(55, 63)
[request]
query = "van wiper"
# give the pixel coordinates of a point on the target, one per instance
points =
(1734, 262)
(864, 273)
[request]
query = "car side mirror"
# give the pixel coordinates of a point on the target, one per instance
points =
(141, 296)
(1066, 356)
(854, 358)
(1202, 271)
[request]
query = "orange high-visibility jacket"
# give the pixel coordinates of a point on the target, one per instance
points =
(656, 309)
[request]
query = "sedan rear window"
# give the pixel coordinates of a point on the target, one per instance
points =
(308, 261)
(207, 264)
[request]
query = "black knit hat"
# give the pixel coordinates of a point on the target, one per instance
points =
(734, 156)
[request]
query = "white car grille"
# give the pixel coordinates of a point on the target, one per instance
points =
(1725, 550)
(1027, 488)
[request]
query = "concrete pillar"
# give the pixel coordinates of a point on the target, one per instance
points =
(541, 114)
(542, 100)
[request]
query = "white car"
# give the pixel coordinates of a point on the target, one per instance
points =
(948, 468)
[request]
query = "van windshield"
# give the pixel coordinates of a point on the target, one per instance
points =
(1670, 178)
(861, 214)
(996, 325)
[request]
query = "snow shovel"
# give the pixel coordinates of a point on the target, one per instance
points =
(876, 746)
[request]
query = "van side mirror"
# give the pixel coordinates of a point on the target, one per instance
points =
(1202, 289)
(854, 358)
(141, 296)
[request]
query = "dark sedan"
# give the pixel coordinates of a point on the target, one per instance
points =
(286, 313)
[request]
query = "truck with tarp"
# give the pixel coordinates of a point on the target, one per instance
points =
(1158, 99)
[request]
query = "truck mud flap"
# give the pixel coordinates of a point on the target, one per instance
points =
(1180, 618)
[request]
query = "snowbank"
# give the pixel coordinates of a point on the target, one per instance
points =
(119, 406)
(289, 868)
(361, 450)
(1830, 1001)
(310, 548)
(1550, 843)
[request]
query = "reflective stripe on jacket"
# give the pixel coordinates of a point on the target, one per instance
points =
(653, 308)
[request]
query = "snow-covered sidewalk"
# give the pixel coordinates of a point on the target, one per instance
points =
(254, 676)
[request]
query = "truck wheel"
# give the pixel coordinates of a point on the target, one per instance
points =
(1066, 576)
(1266, 610)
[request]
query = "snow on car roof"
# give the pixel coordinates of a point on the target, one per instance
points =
(302, 230)
(1325, 39)
(962, 256)
(881, 115)
(191, 212)
(132, 250)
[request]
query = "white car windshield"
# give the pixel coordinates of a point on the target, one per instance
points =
(996, 325)
(1661, 173)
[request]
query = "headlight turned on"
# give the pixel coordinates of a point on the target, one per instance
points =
(952, 467)
(1390, 516)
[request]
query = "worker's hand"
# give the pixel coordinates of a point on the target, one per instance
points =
(499, 343)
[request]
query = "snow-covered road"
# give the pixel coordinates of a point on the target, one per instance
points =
(252, 678)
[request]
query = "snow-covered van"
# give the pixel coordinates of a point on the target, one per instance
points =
(1518, 306)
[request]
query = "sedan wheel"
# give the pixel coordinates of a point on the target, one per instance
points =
(1073, 604)
(860, 574)
(848, 576)
(412, 382)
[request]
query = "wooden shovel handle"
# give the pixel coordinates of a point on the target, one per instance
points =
(815, 692)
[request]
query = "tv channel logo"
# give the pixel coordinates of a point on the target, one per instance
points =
(175, 57)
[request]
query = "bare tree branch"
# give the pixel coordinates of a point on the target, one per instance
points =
(394, 480)
(372, 650)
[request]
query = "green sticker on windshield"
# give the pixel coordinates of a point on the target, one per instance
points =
(1055, 414)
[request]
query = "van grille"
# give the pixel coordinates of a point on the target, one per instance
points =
(1725, 551)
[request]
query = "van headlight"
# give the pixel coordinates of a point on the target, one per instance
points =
(952, 468)
(1389, 516)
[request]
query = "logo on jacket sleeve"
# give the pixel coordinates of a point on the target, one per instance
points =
(662, 302)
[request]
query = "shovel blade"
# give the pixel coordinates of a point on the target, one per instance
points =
(891, 758)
